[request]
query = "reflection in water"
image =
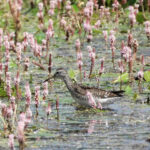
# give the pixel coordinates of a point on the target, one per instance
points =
(91, 126)
(93, 123)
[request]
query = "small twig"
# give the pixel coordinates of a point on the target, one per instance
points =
(39, 65)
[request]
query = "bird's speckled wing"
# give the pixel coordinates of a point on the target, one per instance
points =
(96, 92)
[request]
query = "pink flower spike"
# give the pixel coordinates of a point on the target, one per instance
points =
(37, 95)
(45, 91)
(27, 94)
(91, 100)
(22, 117)
(48, 109)
(80, 63)
(142, 60)
(9, 112)
(102, 66)
(97, 24)
(12, 99)
(121, 66)
(140, 74)
(1, 69)
(11, 142)
(20, 132)
(78, 44)
(68, 5)
(63, 23)
(40, 6)
(105, 34)
(99, 106)
(28, 116)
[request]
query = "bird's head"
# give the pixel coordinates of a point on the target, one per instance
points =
(59, 74)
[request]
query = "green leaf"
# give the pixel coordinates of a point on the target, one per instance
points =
(13, 64)
(128, 90)
(72, 74)
(135, 96)
(140, 18)
(124, 78)
(147, 76)
(3, 93)
(75, 7)
(40, 36)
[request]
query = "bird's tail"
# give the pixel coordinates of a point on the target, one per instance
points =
(119, 93)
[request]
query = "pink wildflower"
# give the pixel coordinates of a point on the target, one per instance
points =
(91, 100)
(63, 23)
(26, 63)
(87, 26)
(12, 99)
(45, 91)
(9, 111)
(105, 34)
(40, 6)
(48, 109)
(28, 116)
(78, 44)
(20, 133)
(121, 66)
(68, 5)
(102, 66)
(11, 142)
(28, 94)
(140, 74)
(37, 95)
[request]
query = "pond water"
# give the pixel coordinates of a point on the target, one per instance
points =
(124, 125)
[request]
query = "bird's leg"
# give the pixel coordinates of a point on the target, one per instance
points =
(99, 106)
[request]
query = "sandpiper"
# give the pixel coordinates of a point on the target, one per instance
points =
(84, 95)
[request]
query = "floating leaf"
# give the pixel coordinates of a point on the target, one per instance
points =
(75, 7)
(3, 93)
(135, 96)
(140, 17)
(13, 64)
(124, 78)
(128, 90)
(40, 36)
(147, 76)
(72, 74)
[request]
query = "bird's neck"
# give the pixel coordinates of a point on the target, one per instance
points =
(69, 83)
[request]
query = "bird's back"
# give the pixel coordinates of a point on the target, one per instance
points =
(96, 92)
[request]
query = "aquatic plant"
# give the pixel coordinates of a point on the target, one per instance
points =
(33, 36)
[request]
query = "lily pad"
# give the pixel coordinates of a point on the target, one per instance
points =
(124, 78)
(128, 90)
(3, 93)
(147, 76)
(72, 74)
(75, 7)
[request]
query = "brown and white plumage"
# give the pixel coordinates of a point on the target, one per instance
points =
(79, 92)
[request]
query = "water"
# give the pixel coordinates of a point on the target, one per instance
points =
(124, 126)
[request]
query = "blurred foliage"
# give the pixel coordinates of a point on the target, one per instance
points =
(108, 2)
(2, 90)
(147, 76)
(128, 90)
(140, 18)
(124, 78)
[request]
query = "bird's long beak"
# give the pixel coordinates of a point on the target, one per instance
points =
(51, 77)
